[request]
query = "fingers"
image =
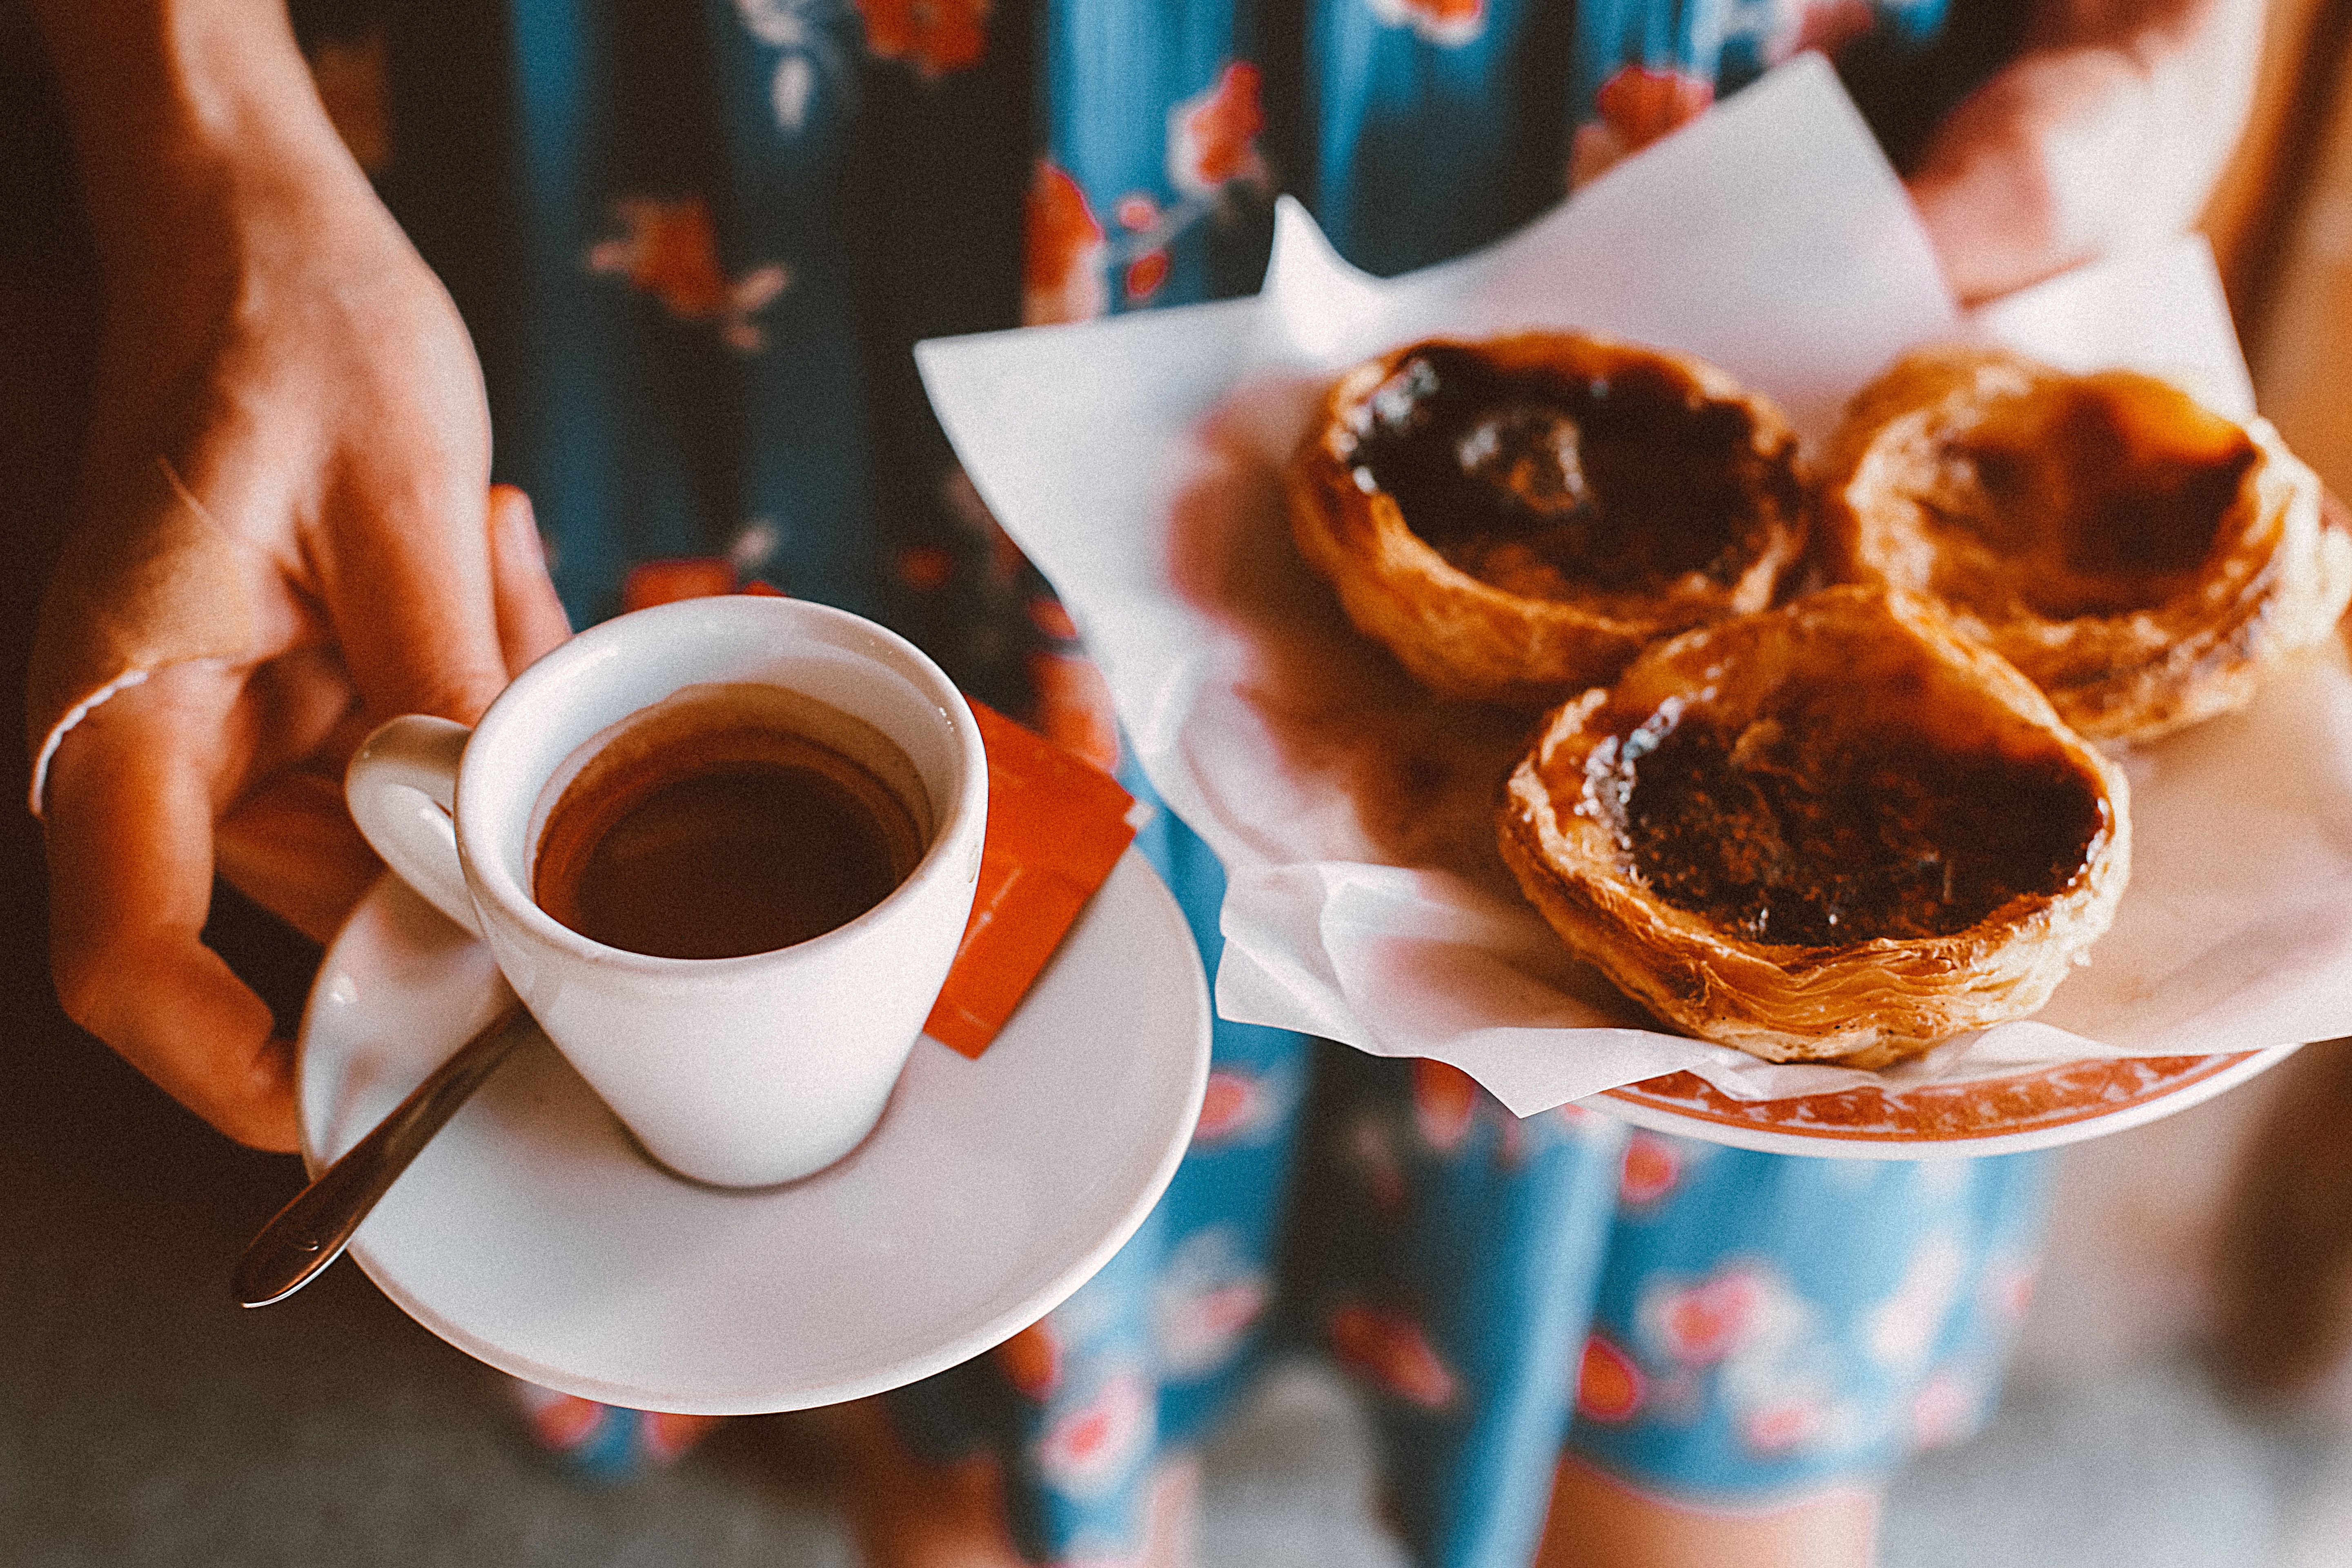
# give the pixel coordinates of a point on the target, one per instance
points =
(129, 837)
(2010, 189)
(2112, 129)
(287, 842)
(530, 618)
(409, 594)
(290, 846)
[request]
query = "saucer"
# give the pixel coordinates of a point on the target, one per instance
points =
(2041, 1109)
(532, 1233)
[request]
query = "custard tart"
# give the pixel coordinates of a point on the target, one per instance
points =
(2142, 559)
(1835, 831)
(1515, 517)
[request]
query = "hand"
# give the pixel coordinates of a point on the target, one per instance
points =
(235, 767)
(286, 477)
(2110, 126)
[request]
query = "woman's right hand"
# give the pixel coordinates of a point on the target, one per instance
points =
(283, 516)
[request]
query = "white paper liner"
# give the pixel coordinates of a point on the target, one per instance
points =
(1136, 461)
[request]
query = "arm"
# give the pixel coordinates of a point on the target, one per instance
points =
(281, 535)
(2112, 125)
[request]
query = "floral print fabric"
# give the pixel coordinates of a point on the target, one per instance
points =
(696, 243)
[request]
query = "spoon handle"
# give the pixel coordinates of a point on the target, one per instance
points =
(310, 1232)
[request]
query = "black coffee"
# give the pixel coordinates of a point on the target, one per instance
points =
(728, 819)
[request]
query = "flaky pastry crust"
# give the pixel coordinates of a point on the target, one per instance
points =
(1515, 517)
(2142, 559)
(1836, 831)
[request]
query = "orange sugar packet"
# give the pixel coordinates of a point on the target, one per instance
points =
(1056, 826)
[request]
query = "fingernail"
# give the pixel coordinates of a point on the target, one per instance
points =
(511, 512)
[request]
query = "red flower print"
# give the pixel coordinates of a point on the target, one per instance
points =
(678, 577)
(1048, 615)
(1088, 1451)
(563, 1420)
(1444, 1096)
(1830, 25)
(1031, 1361)
(1062, 267)
(1609, 1383)
(1234, 1103)
(1209, 1295)
(1213, 136)
(934, 36)
(1709, 1321)
(925, 568)
(1138, 213)
(667, 1437)
(1642, 105)
(1074, 707)
(1203, 1317)
(1145, 274)
(1202, 1328)
(1446, 21)
(1786, 1424)
(1638, 105)
(1391, 1350)
(1653, 1168)
(670, 251)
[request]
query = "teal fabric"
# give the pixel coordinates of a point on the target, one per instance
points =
(696, 243)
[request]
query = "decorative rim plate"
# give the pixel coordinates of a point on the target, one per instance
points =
(532, 1234)
(2038, 1110)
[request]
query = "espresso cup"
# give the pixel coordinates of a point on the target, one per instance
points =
(743, 1070)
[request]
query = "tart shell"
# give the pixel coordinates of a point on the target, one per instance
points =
(1807, 682)
(1464, 634)
(2142, 559)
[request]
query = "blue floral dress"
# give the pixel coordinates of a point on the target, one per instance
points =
(696, 243)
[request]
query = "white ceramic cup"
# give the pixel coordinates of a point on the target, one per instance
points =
(737, 1071)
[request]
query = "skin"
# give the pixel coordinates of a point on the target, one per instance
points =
(271, 334)
(2109, 128)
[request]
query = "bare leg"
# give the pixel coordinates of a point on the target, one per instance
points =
(906, 1513)
(1597, 1521)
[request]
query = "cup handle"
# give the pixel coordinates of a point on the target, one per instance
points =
(402, 788)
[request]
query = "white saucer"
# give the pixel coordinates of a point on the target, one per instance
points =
(531, 1233)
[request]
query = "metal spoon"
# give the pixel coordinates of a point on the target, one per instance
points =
(310, 1232)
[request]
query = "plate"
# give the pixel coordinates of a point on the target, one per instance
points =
(532, 1234)
(2006, 1115)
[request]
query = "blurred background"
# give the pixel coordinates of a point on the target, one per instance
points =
(144, 1419)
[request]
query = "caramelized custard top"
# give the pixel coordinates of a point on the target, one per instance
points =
(1550, 485)
(1806, 828)
(2093, 510)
